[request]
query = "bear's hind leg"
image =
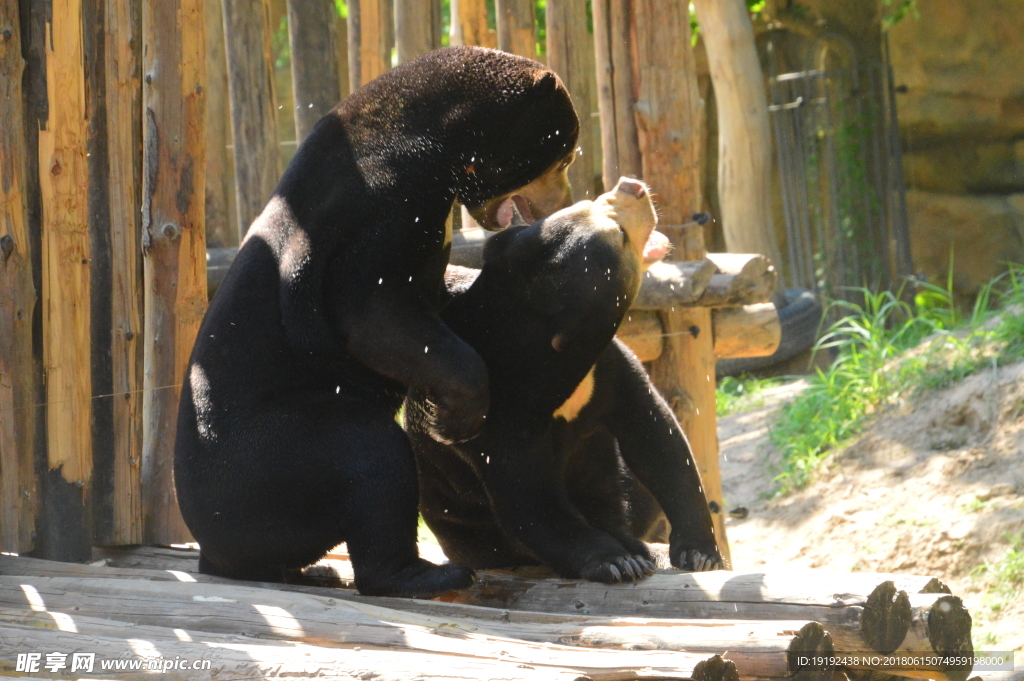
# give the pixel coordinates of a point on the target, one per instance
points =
(382, 517)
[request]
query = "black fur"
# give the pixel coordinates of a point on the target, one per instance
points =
(287, 443)
(534, 488)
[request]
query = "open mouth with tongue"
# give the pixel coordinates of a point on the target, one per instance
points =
(656, 248)
(513, 211)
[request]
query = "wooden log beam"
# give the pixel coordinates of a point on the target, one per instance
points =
(417, 28)
(570, 54)
(64, 182)
(17, 301)
(516, 27)
(312, 37)
(671, 284)
(881, 619)
(744, 137)
(173, 239)
(875, 612)
(641, 331)
(247, 33)
(613, 35)
(113, 41)
(748, 331)
(263, 613)
(469, 24)
(231, 658)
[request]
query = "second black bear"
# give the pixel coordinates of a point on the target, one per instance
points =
(542, 483)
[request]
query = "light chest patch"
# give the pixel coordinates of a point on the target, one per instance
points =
(580, 398)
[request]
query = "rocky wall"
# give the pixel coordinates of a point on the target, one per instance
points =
(959, 72)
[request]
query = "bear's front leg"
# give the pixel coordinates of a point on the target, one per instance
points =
(653, 446)
(399, 335)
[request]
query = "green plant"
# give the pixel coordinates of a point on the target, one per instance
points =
(873, 366)
(735, 394)
(1004, 578)
(896, 10)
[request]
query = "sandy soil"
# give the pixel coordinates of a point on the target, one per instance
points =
(932, 487)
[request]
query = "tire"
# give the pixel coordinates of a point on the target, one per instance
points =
(799, 320)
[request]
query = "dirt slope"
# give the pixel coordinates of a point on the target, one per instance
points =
(933, 487)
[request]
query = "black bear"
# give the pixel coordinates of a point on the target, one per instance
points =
(543, 483)
(287, 442)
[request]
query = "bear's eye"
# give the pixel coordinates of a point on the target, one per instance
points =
(566, 162)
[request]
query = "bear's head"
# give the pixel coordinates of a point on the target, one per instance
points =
(581, 266)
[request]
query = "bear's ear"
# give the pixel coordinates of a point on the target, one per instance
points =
(568, 330)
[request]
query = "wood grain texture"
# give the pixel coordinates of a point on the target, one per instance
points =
(570, 54)
(863, 611)
(469, 24)
(221, 209)
(747, 331)
(173, 239)
(64, 182)
(17, 302)
(614, 34)
(516, 33)
(123, 70)
(641, 331)
(312, 36)
(247, 32)
(417, 28)
(297, 617)
(112, 40)
(669, 118)
(744, 137)
(370, 39)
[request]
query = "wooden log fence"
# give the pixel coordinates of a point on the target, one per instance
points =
(18, 294)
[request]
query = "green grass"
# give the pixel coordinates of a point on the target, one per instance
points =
(735, 394)
(888, 351)
(1004, 579)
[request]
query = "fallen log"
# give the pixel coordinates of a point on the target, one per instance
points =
(268, 614)
(759, 649)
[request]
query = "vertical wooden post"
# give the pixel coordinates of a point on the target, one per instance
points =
(613, 36)
(172, 239)
(64, 183)
(253, 111)
(370, 37)
(744, 139)
(221, 210)
(571, 56)
(417, 28)
(516, 27)
(469, 24)
(116, 184)
(341, 54)
(313, 41)
(669, 115)
(17, 302)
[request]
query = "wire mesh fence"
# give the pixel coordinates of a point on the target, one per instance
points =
(840, 165)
